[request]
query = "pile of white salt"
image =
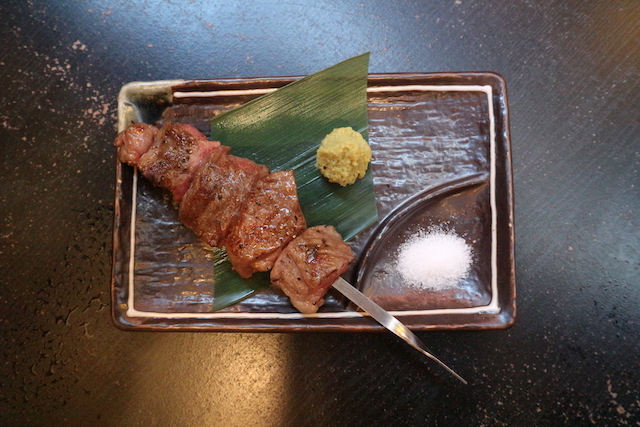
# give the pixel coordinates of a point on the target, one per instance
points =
(434, 259)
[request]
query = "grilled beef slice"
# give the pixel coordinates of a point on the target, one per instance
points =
(134, 141)
(309, 264)
(270, 218)
(217, 194)
(177, 153)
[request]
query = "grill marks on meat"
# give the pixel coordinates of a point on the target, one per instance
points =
(309, 264)
(269, 219)
(177, 153)
(217, 194)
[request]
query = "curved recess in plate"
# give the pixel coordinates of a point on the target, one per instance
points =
(453, 206)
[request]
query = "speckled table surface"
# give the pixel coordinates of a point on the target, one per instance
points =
(573, 356)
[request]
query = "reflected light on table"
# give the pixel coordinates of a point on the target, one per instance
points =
(240, 378)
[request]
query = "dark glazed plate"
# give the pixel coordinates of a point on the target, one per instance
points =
(442, 157)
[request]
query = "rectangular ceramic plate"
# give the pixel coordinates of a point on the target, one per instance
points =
(441, 158)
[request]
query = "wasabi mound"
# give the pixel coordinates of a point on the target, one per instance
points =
(343, 156)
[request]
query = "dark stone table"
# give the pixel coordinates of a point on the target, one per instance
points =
(572, 357)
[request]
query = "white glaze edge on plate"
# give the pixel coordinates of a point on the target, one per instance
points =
(492, 307)
(131, 311)
(405, 88)
(213, 94)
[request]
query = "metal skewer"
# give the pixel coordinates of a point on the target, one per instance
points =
(388, 321)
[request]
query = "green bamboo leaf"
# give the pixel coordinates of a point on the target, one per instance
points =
(283, 130)
(229, 287)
